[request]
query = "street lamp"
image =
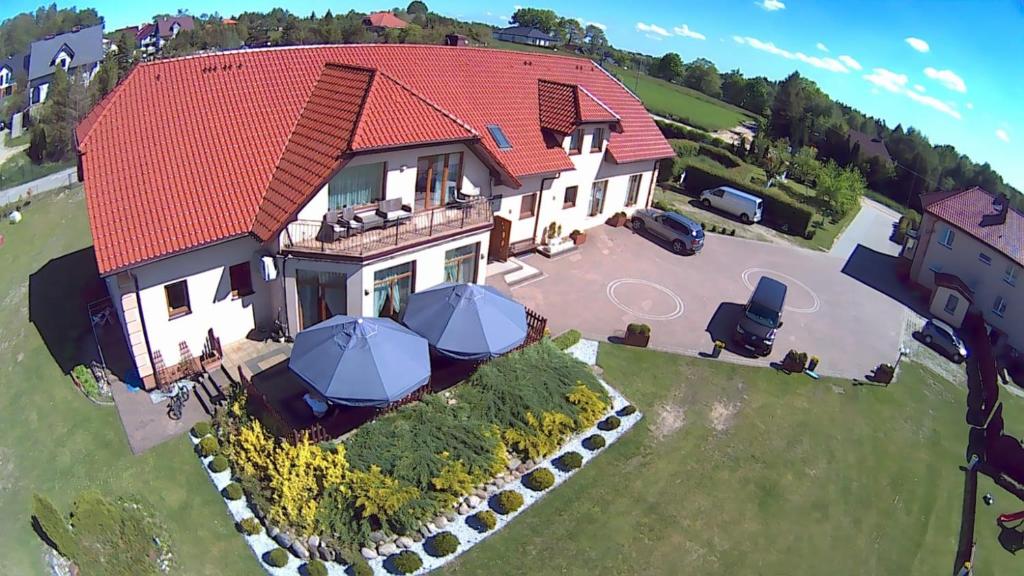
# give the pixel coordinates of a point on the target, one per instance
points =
(903, 352)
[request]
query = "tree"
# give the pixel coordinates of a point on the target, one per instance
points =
(840, 187)
(58, 117)
(805, 165)
(758, 94)
(701, 75)
(733, 87)
(776, 160)
(669, 67)
(417, 8)
(105, 79)
(596, 41)
(125, 53)
(544, 20)
(570, 31)
(788, 106)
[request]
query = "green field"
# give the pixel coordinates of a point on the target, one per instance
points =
(690, 106)
(502, 45)
(58, 443)
(739, 470)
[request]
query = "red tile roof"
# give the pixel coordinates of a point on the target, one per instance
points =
(184, 151)
(965, 210)
(563, 107)
(385, 20)
(953, 282)
(145, 32)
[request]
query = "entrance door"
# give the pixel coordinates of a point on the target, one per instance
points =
(500, 236)
(321, 295)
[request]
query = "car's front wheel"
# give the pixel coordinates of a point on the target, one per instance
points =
(928, 339)
(706, 203)
(678, 247)
(745, 218)
(638, 224)
(958, 358)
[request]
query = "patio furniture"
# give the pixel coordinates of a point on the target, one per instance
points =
(338, 225)
(393, 211)
(361, 361)
(466, 321)
(370, 220)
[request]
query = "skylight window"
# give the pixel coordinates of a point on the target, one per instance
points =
(499, 137)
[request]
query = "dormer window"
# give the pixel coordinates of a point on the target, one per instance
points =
(63, 59)
(598, 142)
(5, 76)
(576, 141)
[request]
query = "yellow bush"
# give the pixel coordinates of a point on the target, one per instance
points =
(454, 480)
(251, 451)
(377, 494)
(591, 406)
(541, 436)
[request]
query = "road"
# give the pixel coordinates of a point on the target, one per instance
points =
(44, 184)
(872, 228)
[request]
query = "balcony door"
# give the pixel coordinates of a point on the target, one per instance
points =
(438, 179)
(321, 295)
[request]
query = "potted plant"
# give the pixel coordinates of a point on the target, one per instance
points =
(638, 335)
(719, 346)
(794, 361)
(617, 220)
(883, 373)
(578, 237)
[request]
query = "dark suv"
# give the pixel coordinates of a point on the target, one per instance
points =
(685, 235)
(762, 317)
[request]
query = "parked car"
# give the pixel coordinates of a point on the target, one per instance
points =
(942, 338)
(746, 207)
(685, 235)
(762, 317)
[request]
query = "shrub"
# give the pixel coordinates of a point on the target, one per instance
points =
(594, 442)
(359, 567)
(569, 461)
(627, 410)
(663, 205)
(609, 423)
(732, 231)
(642, 329)
(508, 501)
(539, 480)
(208, 446)
(233, 491)
(714, 229)
(52, 524)
(567, 339)
(685, 148)
(250, 526)
(218, 464)
(442, 544)
(794, 361)
(316, 568)
(115, 538)
(406, 562)
(86, 380)
(723, 157)
(278, 558)
(202, 429)
(486, 520)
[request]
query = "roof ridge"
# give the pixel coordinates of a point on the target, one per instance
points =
(619, 82)
(428, 102)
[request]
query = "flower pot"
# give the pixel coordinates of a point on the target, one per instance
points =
(637, 339)
(578, 238)
(616, 221)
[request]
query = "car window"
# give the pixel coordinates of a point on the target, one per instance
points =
(718, 192)
(762, 315)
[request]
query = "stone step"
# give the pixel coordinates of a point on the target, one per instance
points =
(523, 274)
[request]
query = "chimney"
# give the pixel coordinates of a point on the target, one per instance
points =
(1000, 205)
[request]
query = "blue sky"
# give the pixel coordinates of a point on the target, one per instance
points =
(952, 69)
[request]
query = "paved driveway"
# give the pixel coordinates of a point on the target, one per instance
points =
(619, 277)
(871, 228)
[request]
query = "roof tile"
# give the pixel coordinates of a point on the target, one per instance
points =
(965, 210)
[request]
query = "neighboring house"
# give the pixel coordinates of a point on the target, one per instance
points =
(10, 67)
(79, 51)
(456, 40)
(382, 21)
(146, 38)
(968, 254)
(525, 35)
(212, 216)
(152, 37)
(870, 146)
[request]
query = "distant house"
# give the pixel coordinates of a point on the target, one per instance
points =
(146, 39)
(870, 146)
(10, 67)
(456, 40)
(152, 37)
(382, 21)
(77, 52)
(525, 35)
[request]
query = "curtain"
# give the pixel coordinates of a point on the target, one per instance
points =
(460, 264)
(355, 185)
(391, 288)
(321, 295)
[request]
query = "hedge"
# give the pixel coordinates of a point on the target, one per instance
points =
(723, 157)
(779, 212)
(675, 131)
(567, 339)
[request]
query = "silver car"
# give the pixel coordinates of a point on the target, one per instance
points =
(685, 235)
(942, 338)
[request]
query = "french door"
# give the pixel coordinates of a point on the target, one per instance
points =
(321, 295)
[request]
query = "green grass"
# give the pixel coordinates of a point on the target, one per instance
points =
(25, 138)
(800, 477)
(502, 45)
(690, 106)
(18, 169)
(58, 443)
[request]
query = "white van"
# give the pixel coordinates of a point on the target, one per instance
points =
(746, 207)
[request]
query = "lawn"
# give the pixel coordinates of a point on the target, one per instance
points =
(689, 106)
(502, 45)
(25, 138)
(741, 470)
(56, 442)
(18, 169)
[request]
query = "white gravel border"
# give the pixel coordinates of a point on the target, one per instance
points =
(585, 351)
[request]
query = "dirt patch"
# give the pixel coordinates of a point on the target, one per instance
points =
(723, 414)
(669, 417)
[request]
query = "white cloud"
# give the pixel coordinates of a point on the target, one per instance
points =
(651, 29)
(821, 46)
(1002, 135)
(684, 30)
(826, 63)
(596, 25)
(850, 62)
(920, 88)
(897, 84)
(969, 105)
(947, 78)
(771, 5)
(917, 44)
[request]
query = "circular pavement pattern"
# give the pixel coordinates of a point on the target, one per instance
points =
(636, 291)
(756, 273)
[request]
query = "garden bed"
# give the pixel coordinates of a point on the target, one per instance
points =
(429, 541)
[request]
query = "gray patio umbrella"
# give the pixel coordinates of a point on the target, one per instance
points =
(361, 361)
(466, 321)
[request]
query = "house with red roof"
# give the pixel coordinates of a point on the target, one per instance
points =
(968, 254)
(355, 176)
(380, 22)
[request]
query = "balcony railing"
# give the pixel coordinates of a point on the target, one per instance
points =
(421, 227)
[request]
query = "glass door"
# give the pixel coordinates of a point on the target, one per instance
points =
(321, 295)
(597, 194)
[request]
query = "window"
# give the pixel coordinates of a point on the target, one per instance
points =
(999, 307)
(241, 280)
(576, 141)
(438, 180)
(528, 206)
(460, 264)
(356, 186)
(1010, 275)
(321, 295)
(678, 227)
(985, 258)
(391, 289)
(598, 142)
(633, 191)
(947, 238)
(499, 136)
(177, 299)
(952, 302)
(597, 194)
(570, 196)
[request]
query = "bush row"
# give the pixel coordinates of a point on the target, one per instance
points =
(567, 339)
(675, 131)
(778, 211)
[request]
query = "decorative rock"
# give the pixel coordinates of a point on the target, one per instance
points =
(327, 554)
(273, 531)
(499, 482)
(480, 494)
(530, 464)
(431, 528)
(425, 531)
(514, 463)
(492, 489)
(464, 508)
(450, 515)
(387, 549)
(299, 550)
(473, 500)
(441, 522)
(313, 541)
(521, 469)
(284, 540)
(404, 542)
(378, 536)
(417, 537)
(369, 553)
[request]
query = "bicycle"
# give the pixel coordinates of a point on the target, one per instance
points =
(176, 406)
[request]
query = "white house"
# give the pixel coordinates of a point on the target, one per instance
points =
(213, 217)
(77, 52)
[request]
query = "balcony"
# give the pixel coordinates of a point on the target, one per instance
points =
(423, 227)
